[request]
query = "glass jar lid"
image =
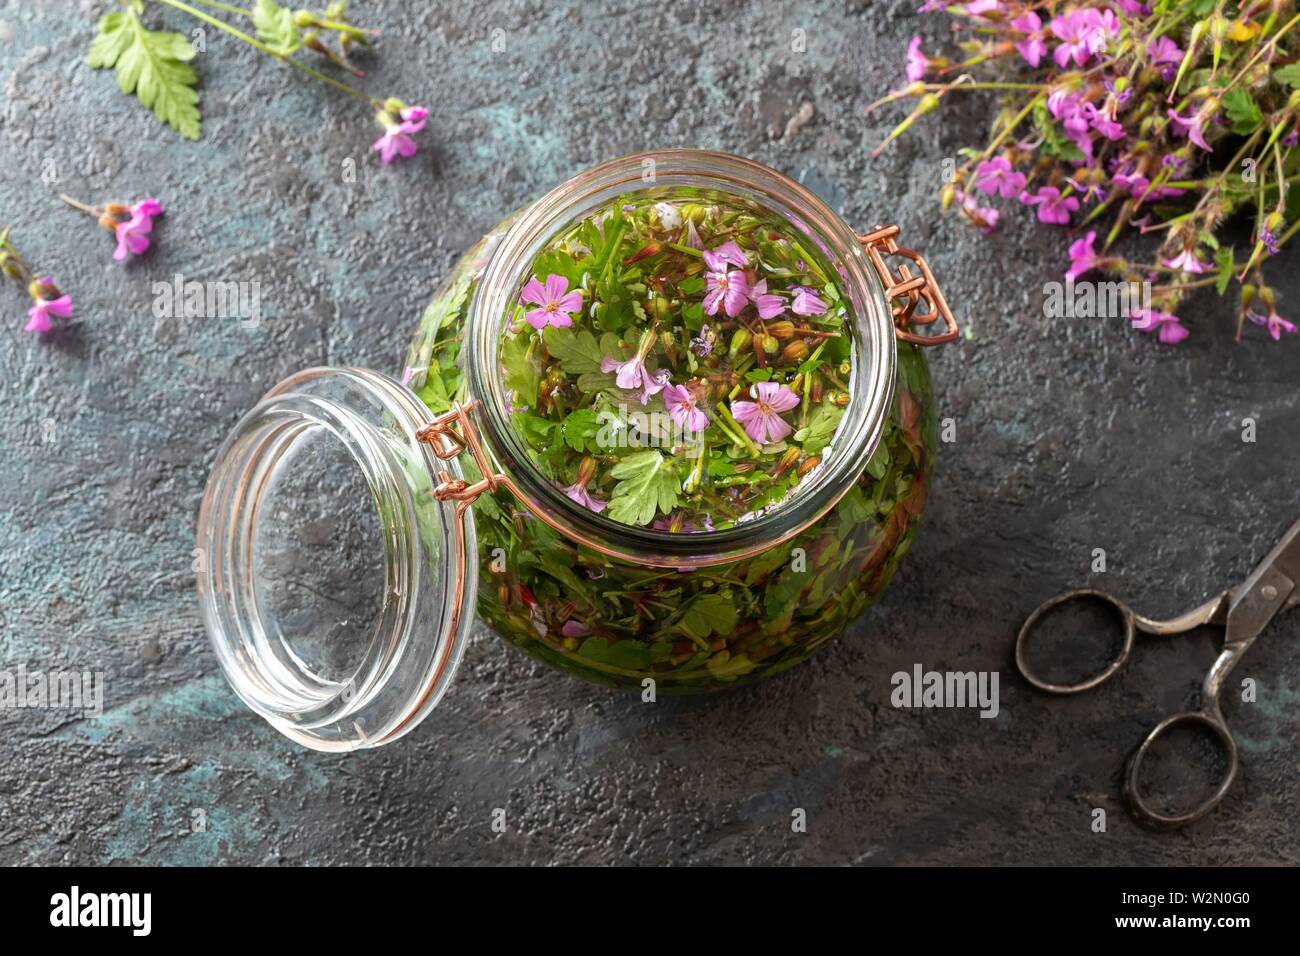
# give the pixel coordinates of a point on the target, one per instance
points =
(333, 581)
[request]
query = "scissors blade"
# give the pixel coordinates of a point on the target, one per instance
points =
(1273, 586)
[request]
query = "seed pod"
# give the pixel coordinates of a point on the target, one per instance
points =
(39, 291)
(795, 351)
(787, 461)
(740, 340)
(769, 343)
(692, 212)
(946, 197)
(809, 464)
(840, 399)
(782, 330)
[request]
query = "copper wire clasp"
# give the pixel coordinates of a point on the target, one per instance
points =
(905, 291)
(450, 434)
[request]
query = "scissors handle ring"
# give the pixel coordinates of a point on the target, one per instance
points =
(1154, 819)
(1022, 640)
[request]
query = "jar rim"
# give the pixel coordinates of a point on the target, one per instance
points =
(871, 379)
(427, 550)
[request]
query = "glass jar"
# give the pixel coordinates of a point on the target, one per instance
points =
(467, 523)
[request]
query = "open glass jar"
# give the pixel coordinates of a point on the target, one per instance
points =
(341, 647)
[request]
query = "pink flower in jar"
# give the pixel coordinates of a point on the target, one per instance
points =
(762, 417)
(555, 303)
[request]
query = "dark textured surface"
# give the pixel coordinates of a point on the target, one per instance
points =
(1071, 435)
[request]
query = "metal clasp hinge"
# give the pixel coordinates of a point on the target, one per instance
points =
(449, 435)
(906, 291)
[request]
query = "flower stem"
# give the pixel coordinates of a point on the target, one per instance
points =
(89, 210)
(258, 44)
(733, 429)
(226, 8)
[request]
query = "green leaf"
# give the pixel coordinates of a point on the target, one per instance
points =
(1243, 111)
(819, 431)
(276, 26)
(577, 353)
(560, 263)
(1224, 259)
(1054, 142)
(1290, 75)
(710, 614)
(626, 655)
(647, 485)
(152, 65)
(580, 430)
(522, 373)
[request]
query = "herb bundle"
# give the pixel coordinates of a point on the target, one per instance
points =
(154, 65)
(679, 365)
(1165, 117)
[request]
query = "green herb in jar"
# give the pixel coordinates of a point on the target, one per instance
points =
(678, 365)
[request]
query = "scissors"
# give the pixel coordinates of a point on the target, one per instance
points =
(1243, 611)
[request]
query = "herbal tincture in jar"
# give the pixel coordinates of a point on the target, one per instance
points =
(679, 365)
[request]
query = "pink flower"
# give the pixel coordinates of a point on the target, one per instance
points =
(578, 492)
(633, 375)
(575, 628)
(1102, 122)
(1032, 46)
(692, 238)
(807, 301)
(727, 289)
(1191, 128)
(1167, 326)
(916, 61)
(1164, 52)
(995, 176)
(1052, 206)
(397, 135)
(1082, 256)
(762, 417)
(1133, 182)
(557, 304)
(1104, 25)
(1187, 261)
(682, 408)
(728, 252)
(1075, 33)
(769, 304)
(980, 7)
(985, 217)
(38, 316)
(1275, 324)
(132, 235)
